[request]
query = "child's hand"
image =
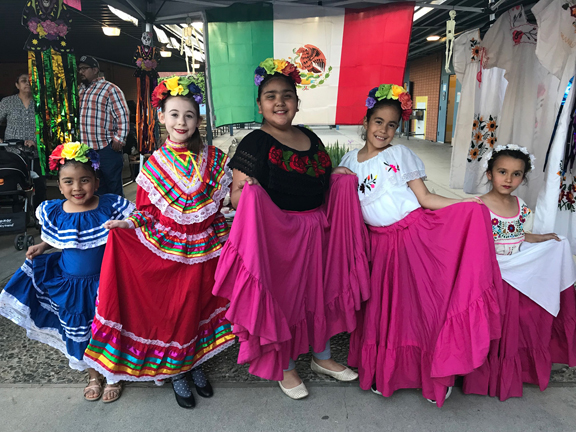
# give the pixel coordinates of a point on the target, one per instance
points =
(343, 170)
(249, 180)
(539, 238)
(474, 200)
(34, 251)
(111, 224)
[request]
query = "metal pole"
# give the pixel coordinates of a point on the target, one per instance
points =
(148, 28)
(209, 106)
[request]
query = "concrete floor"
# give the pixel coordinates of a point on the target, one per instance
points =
(262, 408)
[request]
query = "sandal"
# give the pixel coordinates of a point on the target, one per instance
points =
(110, 388)
(96, 387)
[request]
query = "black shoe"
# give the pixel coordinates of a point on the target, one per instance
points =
(185, 402)
(205, 391)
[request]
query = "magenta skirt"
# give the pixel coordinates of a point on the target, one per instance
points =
(434, 302)
(532, 339)
(294, 279)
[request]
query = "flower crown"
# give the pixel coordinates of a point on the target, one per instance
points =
(271, 66)
(176, 86)
(391, 91)
(73, 151)
(500, 148)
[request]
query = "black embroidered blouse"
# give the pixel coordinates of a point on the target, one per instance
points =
(295, 180)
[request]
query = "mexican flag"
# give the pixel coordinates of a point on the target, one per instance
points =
(341, 54)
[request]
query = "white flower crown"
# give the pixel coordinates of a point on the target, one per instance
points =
(500, 148)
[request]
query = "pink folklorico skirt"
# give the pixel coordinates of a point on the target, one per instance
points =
(532, 339)
(434, 303)
(294, 279)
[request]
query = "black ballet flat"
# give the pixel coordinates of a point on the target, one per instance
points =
(206, 391)
(185, 402)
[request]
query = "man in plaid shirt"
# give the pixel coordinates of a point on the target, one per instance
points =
(104, 123)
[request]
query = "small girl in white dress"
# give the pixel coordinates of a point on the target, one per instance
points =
(539, 296)
(433, 307)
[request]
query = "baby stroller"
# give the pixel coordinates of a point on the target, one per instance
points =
(16, 190)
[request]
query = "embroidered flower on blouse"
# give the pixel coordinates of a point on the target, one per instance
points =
(494, 221)
(368, 184)
(392, 167)
(511, 228)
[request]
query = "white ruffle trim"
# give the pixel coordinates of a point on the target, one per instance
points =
(56, 243)
(19, 314)
(176, 258)
(414, 175)
(75, 239)
(158, 200)
(124, 377)
(182, 236)
(132, 336)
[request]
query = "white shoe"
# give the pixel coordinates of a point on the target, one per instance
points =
(345, 375)
(298, 392)
(375, 390)
(448, 393)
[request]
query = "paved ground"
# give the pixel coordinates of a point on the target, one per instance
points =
(39, 392)
(262, 408)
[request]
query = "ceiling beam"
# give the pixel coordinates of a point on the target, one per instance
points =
(203, 3)
(136, 9)
(183, 15)
(450, 7)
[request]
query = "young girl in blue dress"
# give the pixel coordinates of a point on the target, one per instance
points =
(53, 295)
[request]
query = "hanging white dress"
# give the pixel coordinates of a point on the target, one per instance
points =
(466, 63)
(528, 113)
(481, 99)
(556, 50)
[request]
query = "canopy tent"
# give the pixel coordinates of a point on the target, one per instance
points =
(86, 33)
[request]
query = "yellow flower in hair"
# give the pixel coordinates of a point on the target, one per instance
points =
(70, 150)
(396, 91)
(172, 85)
(280, 65)
(177, 91)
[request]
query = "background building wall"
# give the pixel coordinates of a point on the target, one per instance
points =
(425, 74)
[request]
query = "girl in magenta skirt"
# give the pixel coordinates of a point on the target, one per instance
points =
(435, 283)
(294, 268)
(539, 326)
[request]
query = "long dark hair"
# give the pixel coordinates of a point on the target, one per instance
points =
(195, 143)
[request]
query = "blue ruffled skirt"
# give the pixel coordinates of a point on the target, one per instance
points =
(55, 305)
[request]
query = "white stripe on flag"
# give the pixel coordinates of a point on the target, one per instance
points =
(323, 28)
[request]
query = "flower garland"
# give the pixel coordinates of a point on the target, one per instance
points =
(271, 66)
(391, 91)
(48, 29)
(513, 147)
(176, 86)
(146, 65)
(73, 151)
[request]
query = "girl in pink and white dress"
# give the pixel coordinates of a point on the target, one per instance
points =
(539, 301)
(433, 306)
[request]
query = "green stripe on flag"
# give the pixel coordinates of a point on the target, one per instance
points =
(239, 38)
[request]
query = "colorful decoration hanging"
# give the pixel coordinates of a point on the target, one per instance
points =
(146, 59)
(52, 72)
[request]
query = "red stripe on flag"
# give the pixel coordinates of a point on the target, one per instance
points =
(374, 51)
(74, 4)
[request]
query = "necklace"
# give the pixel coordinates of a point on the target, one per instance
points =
(189, 157)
